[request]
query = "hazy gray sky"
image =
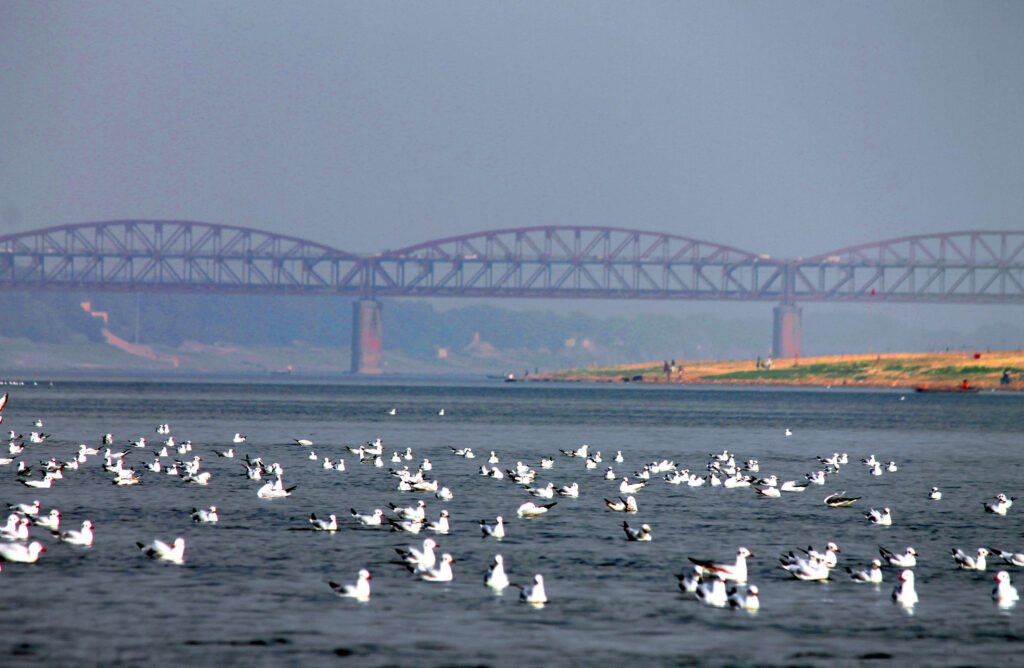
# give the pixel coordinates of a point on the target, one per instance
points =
(788, 128)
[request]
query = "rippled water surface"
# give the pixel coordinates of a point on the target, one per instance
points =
(253, 587)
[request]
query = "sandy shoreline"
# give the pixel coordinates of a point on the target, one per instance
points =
(983, 370)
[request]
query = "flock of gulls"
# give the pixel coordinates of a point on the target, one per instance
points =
(722, 584)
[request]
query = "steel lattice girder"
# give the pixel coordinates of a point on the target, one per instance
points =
(542, 262)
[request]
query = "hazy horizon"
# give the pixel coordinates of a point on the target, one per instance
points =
(790, 128)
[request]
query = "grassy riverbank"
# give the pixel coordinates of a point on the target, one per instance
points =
(936, 370)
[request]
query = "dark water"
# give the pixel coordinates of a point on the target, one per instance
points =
(253, 588)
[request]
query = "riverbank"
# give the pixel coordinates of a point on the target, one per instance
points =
(936, 371)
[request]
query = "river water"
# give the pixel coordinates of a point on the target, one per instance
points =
(253, 589)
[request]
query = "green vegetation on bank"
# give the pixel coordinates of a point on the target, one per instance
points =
(852, 370)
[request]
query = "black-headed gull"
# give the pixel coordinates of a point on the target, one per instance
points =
(20, 552)
(441, 525)
(641, 535)
(496, 530)
(375, 519)
(238, 438)
(1015, 558)
(442, 572)
(275, 490)
(748, 600)
(317, 524)
(1004, 594)
(416, 513)
(205, 516)
(627, 505)
(45, 483)
(578, 452)
(30, 509)
(535, 594)
(546, 492)
(1001, 505)
(360, 591)
(161, 551)
(880, 517)
(713, 592)
(572, 491)
(50, 521)
(812, 568)
(496, 578)
(627, 487)
(688, 582)
(16, 528)
(968, 562)
(419, 558)
(935, 494)
(409, 526)
(905, 560)
(872, 575)
(904, 593)
(530, 509)
(839, 500)
(735, 571)
(81, 536)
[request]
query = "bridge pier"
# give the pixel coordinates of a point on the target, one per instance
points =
(367, 336)
(786, 340)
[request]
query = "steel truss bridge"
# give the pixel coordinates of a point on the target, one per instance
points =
(565, 262)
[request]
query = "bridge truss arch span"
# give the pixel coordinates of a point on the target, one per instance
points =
(174, 256)
(575, 262)
(956, 267)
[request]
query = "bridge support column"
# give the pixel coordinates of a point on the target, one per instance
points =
(786, 340)
(367, 336)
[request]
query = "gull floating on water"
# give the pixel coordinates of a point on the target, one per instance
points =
(904, 593)
(838, 500)
(1015, 558)
(713, 593)
(330, 525)
(497, 530)
(905, 560)
(50, 521)
(419, 558)
(29, 509)
(735, 571)
(530, 509)
(161, 551)
(627, 505)
(359, 591)
(535, 594)
(1002, 504)
(970, 563)
(641, 535)
(205, 516)
(20, 552)
(935, 494)
(1004, 593)
(748, 601)
(872, 575)
(81, 536)
(442, 572)
(374, 519)
(496, 578)
(881, 518)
